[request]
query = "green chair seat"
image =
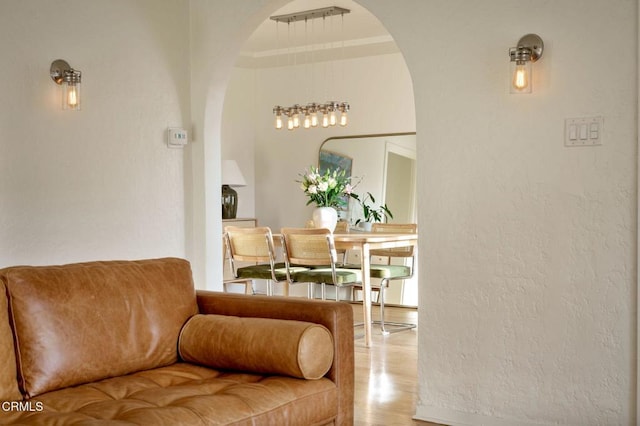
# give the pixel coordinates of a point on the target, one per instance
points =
(390, 271)
(344, 277)
(385, 271)
(263, 271)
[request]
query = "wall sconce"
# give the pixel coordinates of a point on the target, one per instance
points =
(70, 80)
(528, 50)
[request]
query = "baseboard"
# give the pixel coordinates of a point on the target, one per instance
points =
(459, 418)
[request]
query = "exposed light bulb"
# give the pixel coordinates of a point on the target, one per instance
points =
(332, 118)
(307, 121)
(72, 97)
(290, 123)
(343, 118)
(325, 120)
(279, 121)
(314, 120)
(520, 77)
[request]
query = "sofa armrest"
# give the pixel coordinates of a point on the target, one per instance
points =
(337, 317)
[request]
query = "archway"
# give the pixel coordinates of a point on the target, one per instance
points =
(370, 72)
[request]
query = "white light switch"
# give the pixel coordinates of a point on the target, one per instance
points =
(176, 137)
(585, 131)
(573, 133)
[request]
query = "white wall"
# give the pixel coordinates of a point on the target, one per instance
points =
(99, 183)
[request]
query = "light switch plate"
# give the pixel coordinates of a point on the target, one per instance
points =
(583, 131)
(177, 137)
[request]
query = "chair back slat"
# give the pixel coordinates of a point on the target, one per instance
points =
(395, 228)
(308, 246)
(250, 244)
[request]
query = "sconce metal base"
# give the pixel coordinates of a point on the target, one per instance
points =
(58, 69)
(534, 43)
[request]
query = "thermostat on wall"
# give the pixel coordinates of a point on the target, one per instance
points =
(176, 137)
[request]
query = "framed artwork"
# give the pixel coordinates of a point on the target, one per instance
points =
(331, 161)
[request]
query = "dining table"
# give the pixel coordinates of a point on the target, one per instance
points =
(365, 242)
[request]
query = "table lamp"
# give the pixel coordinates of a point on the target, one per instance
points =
(231, 176)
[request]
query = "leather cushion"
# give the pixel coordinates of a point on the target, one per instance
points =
(272, 346)
(8, 377)
(186, 395)
(84, 322)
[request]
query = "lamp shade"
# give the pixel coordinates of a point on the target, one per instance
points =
(231, 174)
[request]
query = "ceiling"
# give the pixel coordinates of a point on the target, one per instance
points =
(356, 34)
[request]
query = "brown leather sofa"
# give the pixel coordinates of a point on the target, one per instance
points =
(132, 343)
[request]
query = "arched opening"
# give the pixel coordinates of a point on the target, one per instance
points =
(350, 57)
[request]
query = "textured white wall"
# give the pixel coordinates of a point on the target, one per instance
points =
(99, 183)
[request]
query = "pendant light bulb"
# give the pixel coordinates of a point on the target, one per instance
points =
(278, 112)
(325, 120)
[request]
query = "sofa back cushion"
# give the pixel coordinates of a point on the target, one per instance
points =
(89, 321)
(8, 377)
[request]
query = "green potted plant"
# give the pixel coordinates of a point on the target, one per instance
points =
(370, 212)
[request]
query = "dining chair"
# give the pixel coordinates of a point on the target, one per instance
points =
(386, 271)
(255, 245)
(342, 227)
(315, 249)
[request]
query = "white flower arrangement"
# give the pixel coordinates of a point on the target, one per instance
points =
(330, 189)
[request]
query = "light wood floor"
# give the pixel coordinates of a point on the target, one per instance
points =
(387, 373)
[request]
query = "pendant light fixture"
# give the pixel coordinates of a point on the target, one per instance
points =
(311, 114)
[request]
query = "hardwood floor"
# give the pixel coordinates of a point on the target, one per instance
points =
(386, 374)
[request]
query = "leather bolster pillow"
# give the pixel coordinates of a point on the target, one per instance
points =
(273, 346)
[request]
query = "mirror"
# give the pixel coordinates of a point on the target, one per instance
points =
(385, 166)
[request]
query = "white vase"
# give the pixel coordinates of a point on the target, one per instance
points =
(365, 226)
(325, 217)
